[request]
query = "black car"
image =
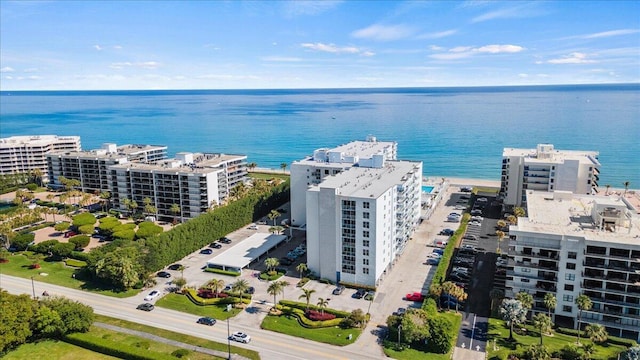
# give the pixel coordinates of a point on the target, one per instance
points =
(447, 232)
(286, 261)
(207, 321)
(359, 294)
(338, 290)
(250, 290)
(215, 245)
(146, 307)
(206, 251)
(164, 274)
(174, 267)
(225, 240)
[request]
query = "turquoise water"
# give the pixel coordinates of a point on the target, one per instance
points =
(427, 189)
(457, 132)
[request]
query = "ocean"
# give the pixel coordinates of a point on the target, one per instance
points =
(456, 132)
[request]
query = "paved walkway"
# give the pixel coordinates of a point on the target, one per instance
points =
(145, 335)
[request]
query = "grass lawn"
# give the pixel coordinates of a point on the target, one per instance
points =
(499, 331)
(289, 325)
(53, 349)
(268, 176)
(178, 337)
(410, 354)
(57, 273)
(182, 303)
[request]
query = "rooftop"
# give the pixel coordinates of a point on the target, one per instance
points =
(120, 152)
(596, 218)
(545, 153)
(197, 163)
(243, 253)
(354, 151)
(36, 139)
(372, 182)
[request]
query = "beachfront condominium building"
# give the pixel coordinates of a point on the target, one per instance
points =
(24, 154)
(547, 169)
(193, 181)
(359, 220)
(90, 168)
(571, 245)
(325, 162)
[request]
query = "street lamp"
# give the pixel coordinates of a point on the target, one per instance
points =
(228, 334)
(33, 288)
(399, 328)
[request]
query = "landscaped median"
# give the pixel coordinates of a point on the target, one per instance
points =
(191, 303)
(294, 318)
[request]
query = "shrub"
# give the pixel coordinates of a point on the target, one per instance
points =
(222, 272)
(79, 256)
(75, 263)
(302, 282)
(116, 349)
(193, 296)
(86, 229)
(31, 187)
(209, 294)
(306, 322)
(124, 235)
(319, 316)
(80, 241)
(180, 353)
(303, 307)
(356, 286)
(270, 277)
(84, 219)
(63, 226)
(148, 229)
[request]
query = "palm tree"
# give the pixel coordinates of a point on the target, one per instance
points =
(550, 302)
(252, 166)
(306, 295)
(273, 215)
(105, 197)
(543, 323)
(241, 285)
(588, 350)
(501, 224)
(626, 187)
(607, 187)
(449, 288)
(175, 210)
(596, 333)
(216, 284)
(37, 176)
(435, 290)
(283, 284)
(512, 219)
(501, 234)
(322, 304)
(181, 269)
(271, 263)
(283, 166)
(495, 294)
(513, 313)
(274, 289)
(584, 303)
(301, 268)
(460, 295)
(518, 212)
(525, 299)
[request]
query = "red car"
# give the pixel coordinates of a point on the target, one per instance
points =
(416, 296)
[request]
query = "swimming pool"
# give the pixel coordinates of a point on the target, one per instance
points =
(427, 189)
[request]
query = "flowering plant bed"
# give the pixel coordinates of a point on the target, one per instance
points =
(318, 316)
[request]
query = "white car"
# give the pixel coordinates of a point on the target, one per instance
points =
(240, 337)
(475, 223)
(152, 295)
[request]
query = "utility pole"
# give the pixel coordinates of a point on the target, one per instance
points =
(33, 288)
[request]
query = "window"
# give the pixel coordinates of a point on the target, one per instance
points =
(566, 308)
(568, 287)
(365, 261)
(365, 252)
(365, 215)
(365, 233)
(570, 277)
(326, 172)
(525, 270)
(524, 280)
(567, 298)
(365, 243)
(571, 266)
(365, 204)
(572, 254)
(365, 270)
(365, 224)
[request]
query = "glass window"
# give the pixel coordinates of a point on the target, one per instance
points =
(568, 287)
(365, 270)
(566, 308)
(365, 215)
(568, 298)
(570, 277)
(365, 233)
(365, 252)
(365, 243)
(572, 254)
(571, 266)
(365, 204)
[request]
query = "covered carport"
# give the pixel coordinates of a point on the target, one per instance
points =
(239, 256)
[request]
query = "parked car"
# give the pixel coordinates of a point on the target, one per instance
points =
(240, 337)
(174, 267)
(401, 311)
(250, 290)
(69, 234)
(253, 227)
(466, 189)
(433, 261)
(225, 240)
(145, 307)
(286, 261)
(228, 288)
(370, 295)
(438, 251)
(476, 212)
(453, 218)
(338, 290)
(442, 243)
(164, 274)
(460, 206)
(435, 255)
(215, 245)
(414, 296)
(359, 294)
(152, 295)
(206, 251)
(206, 321)
(447, 232)
(475, 223)
(470, 237)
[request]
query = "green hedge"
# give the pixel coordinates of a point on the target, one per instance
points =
(116, 349)
(265, 276)
(192, 294)
(357, 286)
(222, 272)
(75, 263)
(303, 306)
(610, 339)
(441, 271)
(305, 322)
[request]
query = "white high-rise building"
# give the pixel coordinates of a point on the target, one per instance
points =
(360, 219)
(325, 162)
(193, 181)
(571, 245)
(547, 169)
(23, 154)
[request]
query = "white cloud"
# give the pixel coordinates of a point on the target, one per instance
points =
(367, 53)
(383, 32)
(451, 56)
(460, 49)
(144, 65)
(7, 69)
(496, 49)
(438, 35)
(281, 59)
(436, 48)
(97, 47)
(610, 33)
(522, 11)
(573, 58)
(331, 48)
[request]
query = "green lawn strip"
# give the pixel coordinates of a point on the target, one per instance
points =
(178, 337)
(499, 331)
(268, 176)
(56, 273)
(290, 326)
(182, 303)
(54, 350)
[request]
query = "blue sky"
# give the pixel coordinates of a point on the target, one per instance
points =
(92, 45)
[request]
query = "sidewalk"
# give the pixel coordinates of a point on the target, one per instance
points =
(145, 335)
